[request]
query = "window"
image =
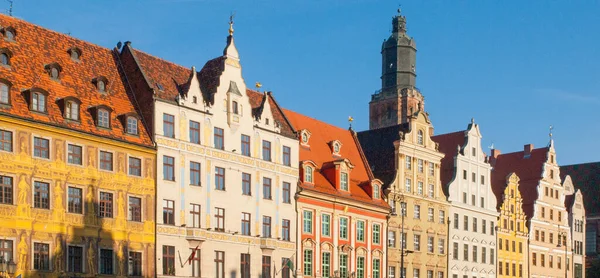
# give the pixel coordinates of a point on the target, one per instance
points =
(219, 178)
(41, 147)
(473, 177)
(343, 265)
(391, 239)
(10, 35)
(6, 141)
(430, 213)
(420, 188)
(420, 165)
(75, 259)
(464, 197)
(195, 215)
(391, 272)
(135, 166)
(343, 228)
(220, 219)
(403, 208)
(74, 156)
(38, 102)
(72, 110)
(430, 191)
(466, 223)
(472, 199)
(416, 273)
(101, 85)
(534, 258)
(482, 179)
(194, 132)
(307, 222)
(376, 191)
(326, 264)
(168, 260)
(245, 145)
(106, 261)
(417, 242)
(360, 231)
(417, 212)
(41, 197)
(41, 256)
(266, 150)
(286, 193)
(344, 181)
(6, 250)
(169, 212)
(420, 137)
(308, 174)
(106, 205)
(234, 106)
(483, 254)
(430, 244)
(483, 225)
(474, 224)
(465, 252)
(492, 256)
(103, 118)
(219, 138)
(307, 262)
(408, 161)
(135, 209)
(266, 266)
(500, 268)
(403, 240)
(132, 126)
(441, 245)
(195, 262)
(474, 253)
(455, 221)
(245, 265)
(106, 161)
(168, 125)
(287, 152)
(464, 174)
(6, 191)
(246, 185)
(407, 185)
(455, 250)
(5, 59)
(304, 138)
(442, 217)
(500, 244)
(267, 188)
(220, 264)
(266, 226)
(431, 169)
(195, 173)
(325, 225)
(360, 267)
(285, 230)
(543, 259)
(245, 224)
(168, 168)
(74, 203)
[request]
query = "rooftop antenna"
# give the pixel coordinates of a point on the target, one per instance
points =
(10, 8)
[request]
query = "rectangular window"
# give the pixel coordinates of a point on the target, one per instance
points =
(169, 212)
(430, 191)
(455, 221)
(344, 181)
(74, 203)
(441, 246)
(267, 188)
(455, 250)
(219, 264)
(391, 239)
(500, 270)
(360, 231)
(219, 178)
(245, 145)
(168, 260)
(266, 266)
(135, 264)
(430, 216)
(246, 184)
(106, 205)
(325, 225)
(245, 224)
(417, 212)
(169, 125)
(195, 215)
(465, 252)
(326, 264)
(403, 208)
(287, 156)
(430, 244)
(482, 202)
(466, 223)
(74, 154)
(6, 141)
(376, 234)
(391, 272)
(492, 256)
(106, 161)
(106, 261)
(285, 230)
(195, 173)
(403, 240)
(266, 150)
(194, 132)
(442, 217)
(245, 265)
(307, 263)
(483, 254)
(416, 273)
(343, 265)
(417, 242)
(135, 166)
(75, 259)
(41, 147)
(408, 185)
(38, 102)
(135, 209)
(431, 169)
(266, 226)
(474, 224)
(41, 256)
(343, 228)
(6, 250)
(195, 262)
(360, 267)
(286, 193)
(464, 174)
(219, 139)
(41, 197)
(474, 253)
(420, 188)
(132, 125)
(307, 222)
(473, 177)
(420, 165)
(220, 219)
(408, 161)
(168, 168)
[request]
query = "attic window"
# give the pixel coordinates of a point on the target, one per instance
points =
(304, 136)
(420, 137)
(101, 86)
(376, 191)
(74, 53)
(194, 99)
(308, 174)
(336, 147)
(267, 121)
(54, 70)
(9, 33)
(344, 181)
(103, 119)
(4, 92)
(38, 101)
(159, 86)
(100, 83)
(132, 125)
(72, 110)
(5, 56)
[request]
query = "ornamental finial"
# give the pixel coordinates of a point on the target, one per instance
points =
(550, 134)
(231, 23)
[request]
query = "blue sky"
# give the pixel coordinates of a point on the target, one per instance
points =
(517, 67)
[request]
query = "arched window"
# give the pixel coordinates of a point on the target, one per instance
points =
(101, 86)
(103, 118)
(132, 125)
(54, 73)
(4, 94)
(308, 174)
(304, 138)
(376, 191)
(420, 137)
(9, 33)
(72, 110)
(336, 148)
(4, 59)
(75, 55)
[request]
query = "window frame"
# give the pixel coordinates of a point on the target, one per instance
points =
(105, 206)
(168, 125)
(168, 212)
(286, 192)
(220, 219)
(106, 164)
(74, 200)
(132, 168)
(287, 156)
(168, 168)
(41, 256)
(100, 119)
(6, 140)
(219, 138)
(194, 132)
(41, 197)
(6, 190)
(39, 102)
(219, 178)
(266, 150)
(195, 173)
(74, 154)
(134, 211)
(267, 188)
(246, 184)
(245, 145)
(132, 125)
(40, 150)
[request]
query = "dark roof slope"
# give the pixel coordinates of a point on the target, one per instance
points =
(448, 144)
(378, 147)
(585, 177)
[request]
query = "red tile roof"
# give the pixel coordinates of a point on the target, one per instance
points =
(529, 170)
(448, 144)
(35, 47)
(320, 153)
(585, 177)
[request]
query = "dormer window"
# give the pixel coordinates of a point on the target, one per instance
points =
(194, 100)
(54, 70)
(101, 86)
(234, 108)
(100, 83)
(72, 110)
(344, 181)
(304, 137)
(420, 137)
(9, 33)
(103, 119)
(308, 174)
(267, 121)
(132, 125)
(4, 93)
(376, 191)
(74, 53)
(335, 146)
(38, 102)
(5, 56)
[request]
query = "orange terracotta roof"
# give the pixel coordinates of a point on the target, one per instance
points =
(448, 144)
(35, 47)
(529, 170)
(320, 153)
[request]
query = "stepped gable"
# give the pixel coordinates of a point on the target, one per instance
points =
(34, 50)
(378, 147)
(449, 145)
(319, 152)
(529, 170)
(585, 177)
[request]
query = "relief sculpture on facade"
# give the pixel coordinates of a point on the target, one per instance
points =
(23, 251)
(24, 209)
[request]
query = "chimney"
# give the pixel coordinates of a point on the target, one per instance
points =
(527, 150)
(493, 156)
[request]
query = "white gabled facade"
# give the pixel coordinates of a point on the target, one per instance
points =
(210, 214)
(473, 213)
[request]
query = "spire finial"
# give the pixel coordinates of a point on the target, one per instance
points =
(231, 23)
(350, 120)
(399, 9)
(550, 134)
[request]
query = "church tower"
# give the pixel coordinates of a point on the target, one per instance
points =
(398, 97)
